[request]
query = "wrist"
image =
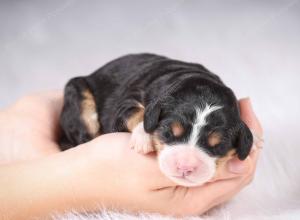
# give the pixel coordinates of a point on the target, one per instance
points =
(39, 188)
(75, 180)
(88, 180)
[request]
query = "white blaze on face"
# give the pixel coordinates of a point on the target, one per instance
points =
(185, 163)
(200, 121)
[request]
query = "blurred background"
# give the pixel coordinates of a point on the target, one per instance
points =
(252, 44)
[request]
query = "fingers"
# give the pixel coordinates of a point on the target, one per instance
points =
(215, 193)
(236, 174)
(233, 175)
(249, 117)
(42, 109)
(41, 100)
(232, 168)
(115, 148)
(198, 200)
(235, 168)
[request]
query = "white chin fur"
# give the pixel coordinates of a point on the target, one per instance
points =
(168, 154)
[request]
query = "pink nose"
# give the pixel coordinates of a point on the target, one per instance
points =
(185, 170)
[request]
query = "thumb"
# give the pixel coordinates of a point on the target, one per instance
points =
(232, 168)
(249, 117)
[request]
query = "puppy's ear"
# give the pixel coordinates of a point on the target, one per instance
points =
(151, 116)
(244, 141)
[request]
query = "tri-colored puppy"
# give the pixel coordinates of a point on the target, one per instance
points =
(179, 109)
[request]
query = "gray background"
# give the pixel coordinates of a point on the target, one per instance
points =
(253, 45)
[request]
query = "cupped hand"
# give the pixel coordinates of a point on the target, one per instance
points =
(135, 183)
(109, 173)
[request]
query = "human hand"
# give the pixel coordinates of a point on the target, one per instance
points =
(132, 182)
(29, 127)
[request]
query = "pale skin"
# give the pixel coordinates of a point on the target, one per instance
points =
(36, 179)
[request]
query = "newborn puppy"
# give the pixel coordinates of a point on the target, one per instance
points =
(180, 110)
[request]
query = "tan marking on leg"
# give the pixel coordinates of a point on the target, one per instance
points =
(152, 143)
(135, 118)
(89, 113)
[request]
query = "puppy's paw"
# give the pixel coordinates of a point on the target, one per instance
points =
(141, 141)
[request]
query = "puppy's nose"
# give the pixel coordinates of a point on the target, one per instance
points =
(185, 170)
(187, 163)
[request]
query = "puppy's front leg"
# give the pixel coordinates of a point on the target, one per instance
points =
(131, 118)
(141, 141)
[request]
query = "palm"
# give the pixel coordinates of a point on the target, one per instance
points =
(29, 129)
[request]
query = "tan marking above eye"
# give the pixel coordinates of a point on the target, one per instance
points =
(89, 113)
(214, 138)
(136, 117)
(177, 129)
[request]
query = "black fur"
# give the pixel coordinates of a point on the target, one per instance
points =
(169, 89)
(74, 131)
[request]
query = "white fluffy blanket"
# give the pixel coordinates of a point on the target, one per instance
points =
(253, 45)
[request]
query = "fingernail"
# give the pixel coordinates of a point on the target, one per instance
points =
(247, 99)
(237, 166)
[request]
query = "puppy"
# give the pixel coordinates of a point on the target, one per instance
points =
(180, 110)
